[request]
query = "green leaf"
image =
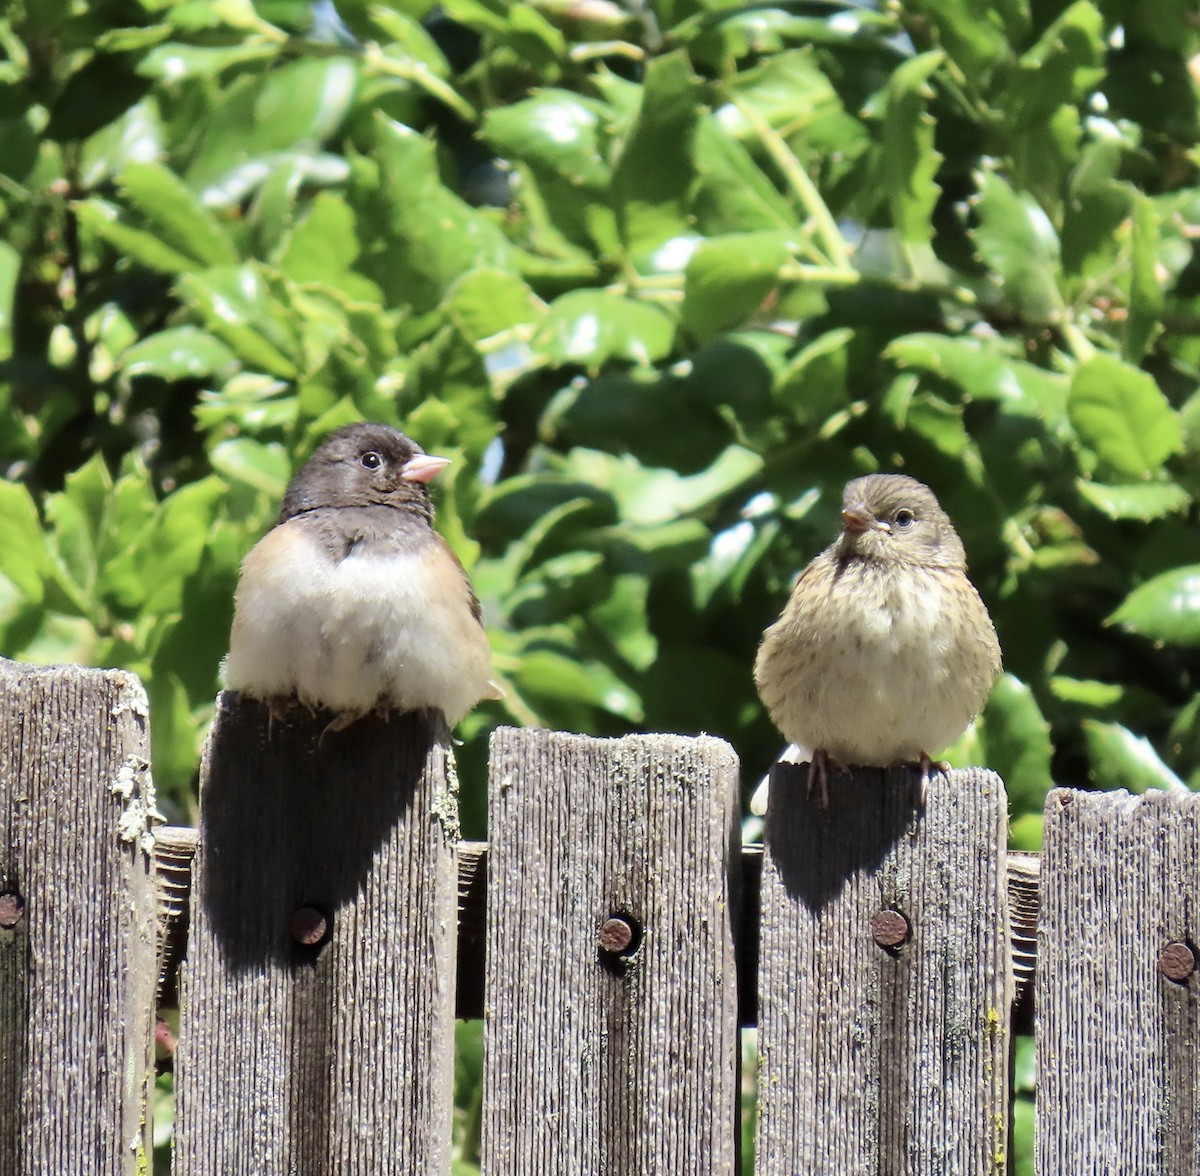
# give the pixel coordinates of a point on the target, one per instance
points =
(655, 168)
(1166, 608)
(1142, 501)
(1145, 287)
(435, 236)
(178, 353)
(557, 131)
(10, 268)
(728, 278)
(238, 307)
(1120, 759)
(983, 372)
(24, 557)
(1017, 741)
(908, 161)
(175, 214)
(590, 327)
(1063, 66)
(264, 467)
(1119, 412)
(1018, 244)
(485, 303)
(974, 33)
(135, 244)
(547, 675)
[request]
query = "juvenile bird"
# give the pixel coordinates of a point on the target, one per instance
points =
(352, 602)
(884, 652)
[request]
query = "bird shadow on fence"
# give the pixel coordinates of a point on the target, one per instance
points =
(818, 847)
(291, 821)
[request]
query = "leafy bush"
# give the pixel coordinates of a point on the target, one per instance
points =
(660, 279)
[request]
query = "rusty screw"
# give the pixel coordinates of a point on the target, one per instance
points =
(308, 926)
(615, 934)
(889, 928)
(12, 907)
(1176, 961)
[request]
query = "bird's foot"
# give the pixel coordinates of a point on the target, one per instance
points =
(339, 722)
(818, 776)
(279, 705)
(927, 765)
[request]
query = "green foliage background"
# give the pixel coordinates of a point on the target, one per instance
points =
(660, 278)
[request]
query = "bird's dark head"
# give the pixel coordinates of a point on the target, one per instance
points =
(364, 464)
(895, 518)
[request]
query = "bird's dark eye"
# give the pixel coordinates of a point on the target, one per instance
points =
(371, 461)
(905, 519)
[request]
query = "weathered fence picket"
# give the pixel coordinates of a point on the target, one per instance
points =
(319, 982)
(1118, 994)
(318, 990)
(77, 935)
(604, 1055)
(884, 979)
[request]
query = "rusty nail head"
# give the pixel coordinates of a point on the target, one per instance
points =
(615, 934)
(12, 907)
(1176, 961)
(308, 926)
(889, 928)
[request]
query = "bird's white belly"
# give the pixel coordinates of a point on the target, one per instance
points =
(347, 635)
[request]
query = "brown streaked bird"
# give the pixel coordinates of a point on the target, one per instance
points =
(884, 652)
(352, 602)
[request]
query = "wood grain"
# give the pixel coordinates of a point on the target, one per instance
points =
(335, 1057)
(77, 969)
(1118, 1041)
(597, 1062)
(883, 1059)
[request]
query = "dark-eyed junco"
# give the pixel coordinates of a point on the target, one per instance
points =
(352, 602)
(884, 652)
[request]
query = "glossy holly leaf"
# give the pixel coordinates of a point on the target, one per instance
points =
(24, 557)
(590, 327)
(907, 161)
(10, 266)
(1061, 67)
(1016, 739)
(237, 305)
(984, 372)
(728, 277)
(435, 235)
(975, 34)
(175, 214)
(1018, 244)
(178, 353)
(485, 303)
(557, 131)
(1146, 298)
(1120, 413)
(1165, 608)
(265, 467)
(1141, 501)
(655, 168)
(1117, 758)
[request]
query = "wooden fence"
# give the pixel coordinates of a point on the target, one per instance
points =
(337, 926)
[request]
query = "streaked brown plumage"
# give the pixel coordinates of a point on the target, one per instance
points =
(884, 652)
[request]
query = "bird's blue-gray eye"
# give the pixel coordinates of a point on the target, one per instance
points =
(905, 519)
(371, 461)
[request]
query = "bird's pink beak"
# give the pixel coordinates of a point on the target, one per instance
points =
(423, 467)
(857, 519)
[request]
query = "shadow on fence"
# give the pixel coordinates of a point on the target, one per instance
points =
(338, 924)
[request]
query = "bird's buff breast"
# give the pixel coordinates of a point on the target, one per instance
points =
(375, 626)
(877, 666)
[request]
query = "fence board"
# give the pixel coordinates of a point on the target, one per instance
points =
(336, 1057)
(878, 1059)
(595, 1063)
(1118, 1040)
(77, 965)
